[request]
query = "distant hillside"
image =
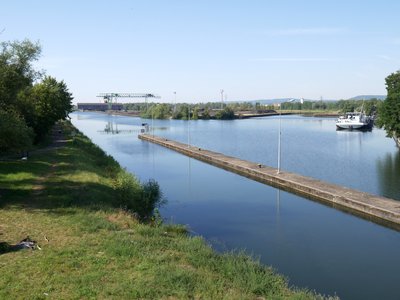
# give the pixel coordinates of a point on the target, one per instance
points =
(368, 97)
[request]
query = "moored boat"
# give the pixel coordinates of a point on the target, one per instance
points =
(354, 120)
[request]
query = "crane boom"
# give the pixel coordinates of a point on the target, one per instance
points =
(112, 97)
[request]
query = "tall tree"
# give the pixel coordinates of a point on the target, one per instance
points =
(16, 74)
(16, 70)
(29, 106)
(44, 104)
(389, 112)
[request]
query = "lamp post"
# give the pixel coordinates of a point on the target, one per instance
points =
(152, 119)
(280, 134)
(174, 103)
(189, 127)
(222, 99)
(279, 137)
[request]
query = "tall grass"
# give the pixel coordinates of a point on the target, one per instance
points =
(129, 194)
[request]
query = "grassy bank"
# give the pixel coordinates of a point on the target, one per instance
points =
(73, 201)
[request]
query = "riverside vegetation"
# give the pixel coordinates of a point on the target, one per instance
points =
(78, 204)
(233, 110)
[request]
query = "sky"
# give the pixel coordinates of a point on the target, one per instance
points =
(251, 49)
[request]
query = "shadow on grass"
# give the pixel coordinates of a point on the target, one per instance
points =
(45, 188)
(79, 174)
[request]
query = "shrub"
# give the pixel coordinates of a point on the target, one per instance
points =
(139, 198)
(15, 135)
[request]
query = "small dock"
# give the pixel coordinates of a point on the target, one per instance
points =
(378, 209)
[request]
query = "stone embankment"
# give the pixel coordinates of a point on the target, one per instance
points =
(378, 209)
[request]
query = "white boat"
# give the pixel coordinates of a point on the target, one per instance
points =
(353, 120)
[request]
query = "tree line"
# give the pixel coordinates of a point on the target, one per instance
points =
(183, 111)
(225, 111)
(31, 102)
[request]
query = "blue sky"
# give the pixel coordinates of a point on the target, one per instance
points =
(251, 49)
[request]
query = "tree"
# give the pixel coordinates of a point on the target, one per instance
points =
(182, 112)
(16, 71)
(23, 104)
(347, 105)
(370, 106)
(226, 114)
(162, 111)
(44, 104)
(195, 114)
(206, 114)
(389, 111)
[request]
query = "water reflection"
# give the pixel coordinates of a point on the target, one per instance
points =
(389, 177)
(111, 128)
(278, 203)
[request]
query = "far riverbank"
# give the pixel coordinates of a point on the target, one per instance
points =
(242, 114)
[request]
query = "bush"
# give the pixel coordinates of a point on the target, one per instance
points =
(139, 198)
(128, 191)
(151, 198)
(15, 135)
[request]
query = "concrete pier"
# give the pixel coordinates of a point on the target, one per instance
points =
(378, 209)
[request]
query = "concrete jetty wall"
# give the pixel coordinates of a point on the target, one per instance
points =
(378, 209)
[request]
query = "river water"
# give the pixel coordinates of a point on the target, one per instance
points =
(316, 246)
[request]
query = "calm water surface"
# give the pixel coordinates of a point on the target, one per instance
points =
(314, 245)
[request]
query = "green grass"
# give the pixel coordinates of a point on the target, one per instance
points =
(90, 249)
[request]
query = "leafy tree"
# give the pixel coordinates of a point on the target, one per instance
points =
(16, 71)
(307, 105)
(347, 105)
(370, 107)
(135, 106)
(206, 114)
(195, 115)
(36, 106)
(162, 111)
(226, 114)
(182, 112)
(44, 104)
(389, 112)
(157, 111)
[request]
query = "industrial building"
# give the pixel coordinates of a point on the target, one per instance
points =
(100, 106)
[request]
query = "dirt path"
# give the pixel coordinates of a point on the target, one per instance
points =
(58, 141)
(57, 138)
